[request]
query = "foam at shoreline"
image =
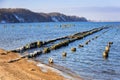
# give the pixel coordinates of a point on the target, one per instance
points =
(63, 72)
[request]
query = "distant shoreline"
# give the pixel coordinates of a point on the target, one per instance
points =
(60, 22)
(20, 15)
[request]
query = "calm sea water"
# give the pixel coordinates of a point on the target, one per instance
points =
(86, 62)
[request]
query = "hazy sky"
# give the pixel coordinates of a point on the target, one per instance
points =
(100, 10)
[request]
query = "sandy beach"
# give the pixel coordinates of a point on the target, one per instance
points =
(26, 69)
(23, 69)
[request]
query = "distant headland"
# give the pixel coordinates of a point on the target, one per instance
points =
(20, 15)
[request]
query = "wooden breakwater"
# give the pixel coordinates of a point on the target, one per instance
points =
(66, 40)
(75, 37)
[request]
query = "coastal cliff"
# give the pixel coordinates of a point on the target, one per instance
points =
(19, 15)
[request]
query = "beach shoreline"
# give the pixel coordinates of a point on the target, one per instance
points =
(27, 69)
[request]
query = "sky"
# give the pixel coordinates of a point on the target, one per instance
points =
(96, 10)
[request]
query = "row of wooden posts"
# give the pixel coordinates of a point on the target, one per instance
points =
(105, 54)
(70, 38)
(61, 25)
(50, 60)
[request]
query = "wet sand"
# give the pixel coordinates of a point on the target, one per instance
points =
(25, 69)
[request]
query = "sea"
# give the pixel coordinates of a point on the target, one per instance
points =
(87, 62)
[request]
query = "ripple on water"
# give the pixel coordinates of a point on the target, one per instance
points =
(86, 61)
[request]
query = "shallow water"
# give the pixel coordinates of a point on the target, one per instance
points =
(86, 62)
